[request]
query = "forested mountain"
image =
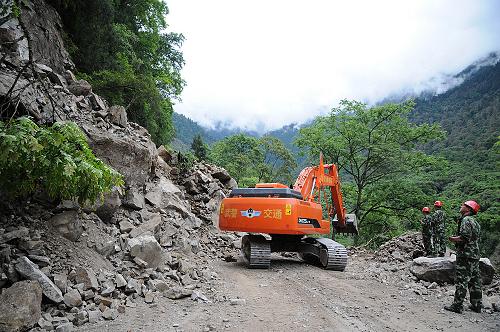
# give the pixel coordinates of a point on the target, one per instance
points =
(469, 113)
(186, 129)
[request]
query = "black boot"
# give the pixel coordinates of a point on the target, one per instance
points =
(454, 308)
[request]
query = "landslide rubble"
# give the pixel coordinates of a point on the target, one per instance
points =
(71, 264)
(399, 262)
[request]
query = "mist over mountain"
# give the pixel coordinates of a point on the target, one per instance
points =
(448, 99)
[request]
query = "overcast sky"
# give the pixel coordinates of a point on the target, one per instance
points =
(261, 64)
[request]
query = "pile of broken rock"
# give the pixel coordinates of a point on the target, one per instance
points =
(64, 264)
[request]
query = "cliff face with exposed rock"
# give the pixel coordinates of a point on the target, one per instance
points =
(151, 238)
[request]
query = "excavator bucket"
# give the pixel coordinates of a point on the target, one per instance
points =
(350, 227)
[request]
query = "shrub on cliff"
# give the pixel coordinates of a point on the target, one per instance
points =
(55, 159)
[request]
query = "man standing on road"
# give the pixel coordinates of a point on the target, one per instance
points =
(439, 228)
(427, 231)
(467, 266)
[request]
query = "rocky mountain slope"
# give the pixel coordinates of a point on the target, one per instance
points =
(154, 236)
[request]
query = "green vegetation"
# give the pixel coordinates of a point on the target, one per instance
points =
(376, 151)
(470, 115)
(122, 49)
(252, 160)
(56, 160)
(200, 149)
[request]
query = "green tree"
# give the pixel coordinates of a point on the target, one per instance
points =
(124, 50)
(278, 162)
(250, 160)
(376, 148)
(239, 155)
(199, 148)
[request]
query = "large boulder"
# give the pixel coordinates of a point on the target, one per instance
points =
(167, 195)
(146, 248)
(68, 224)
(438, 269)
(132, 158)
(20, 306)
(442, 269)
(29, 270)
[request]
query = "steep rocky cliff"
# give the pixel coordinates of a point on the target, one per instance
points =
(151, 238)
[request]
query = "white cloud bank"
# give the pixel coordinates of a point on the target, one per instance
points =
(261, 64)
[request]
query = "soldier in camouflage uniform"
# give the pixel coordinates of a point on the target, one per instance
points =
(467, 266)
(426, 223)
(439, 228)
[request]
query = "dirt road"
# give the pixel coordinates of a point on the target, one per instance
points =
(293, 296)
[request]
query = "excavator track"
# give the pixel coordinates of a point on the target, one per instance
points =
(256, 251)
(333, 255)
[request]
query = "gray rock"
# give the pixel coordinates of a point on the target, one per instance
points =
(141, 263)
(237, 301)
(487, 271)
(30, 271)
(45, 324)
(61, 281)
(120, 281)
(231, 184)
(108, 288)
(442, 269)
(132, 158)
(81, 318)
(198, 296)
(133, 286)
(80, 88)
(16, 234)
(149, 297)
(20, 306)
(88, 294)
(105, 248)
(97, 103)
(41, 261)
(159, 285)
(178, 292)
(147, 249)
(118, 115)
(150, 227)
(222, 175)
(68, 224)
(126, 226)
(65, 327)
(73, 298)
(164, 154)
(87, 277)
(110, 314)
(134, 199)
(161, 194)
(94, 316)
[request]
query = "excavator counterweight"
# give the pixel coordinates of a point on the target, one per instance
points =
(290, 217)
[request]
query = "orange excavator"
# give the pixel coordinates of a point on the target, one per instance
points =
(280, 219)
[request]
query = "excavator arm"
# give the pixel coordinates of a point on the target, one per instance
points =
(310, 184)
